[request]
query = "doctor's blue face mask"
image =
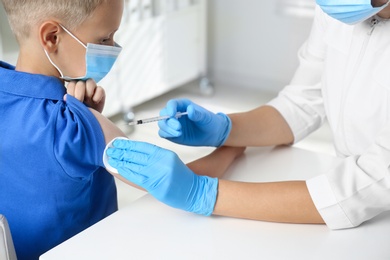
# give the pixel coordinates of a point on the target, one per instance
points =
(99, 60)
(350, 11)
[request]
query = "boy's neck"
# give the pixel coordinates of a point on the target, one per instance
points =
(35, 62)
(25, 62)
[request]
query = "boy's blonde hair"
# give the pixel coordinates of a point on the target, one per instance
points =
(23, 14)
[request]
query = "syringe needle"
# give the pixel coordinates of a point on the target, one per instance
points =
(155, 119)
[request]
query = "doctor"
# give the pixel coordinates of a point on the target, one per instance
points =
(343, 76)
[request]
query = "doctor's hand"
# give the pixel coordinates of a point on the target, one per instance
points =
(163, 175)
(87, 92)
(199, 128)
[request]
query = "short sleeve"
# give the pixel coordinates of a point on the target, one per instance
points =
(301, 102)
(79, 140)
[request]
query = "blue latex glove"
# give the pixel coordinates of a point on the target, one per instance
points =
(199, 128)
(163, 175)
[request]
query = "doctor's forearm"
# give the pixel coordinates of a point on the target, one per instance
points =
(287, 202)
(263, 126)
(216, 163)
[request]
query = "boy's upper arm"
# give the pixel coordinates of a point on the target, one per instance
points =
(80, 137)
(110, 130)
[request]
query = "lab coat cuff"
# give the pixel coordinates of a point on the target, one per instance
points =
(326, 203)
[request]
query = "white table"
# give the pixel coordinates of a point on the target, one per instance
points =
(147, 229)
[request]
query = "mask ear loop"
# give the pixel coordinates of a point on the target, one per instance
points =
(74, 37)
(52, 63)
(50, 60)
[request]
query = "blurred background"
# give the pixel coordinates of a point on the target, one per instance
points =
(227, 55)
(168, 43)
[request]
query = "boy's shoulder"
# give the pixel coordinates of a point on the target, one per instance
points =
(36, 103)
(29, 85)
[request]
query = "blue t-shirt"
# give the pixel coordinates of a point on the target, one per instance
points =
(52, 181)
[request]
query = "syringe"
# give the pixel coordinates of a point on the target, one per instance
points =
(157, 118)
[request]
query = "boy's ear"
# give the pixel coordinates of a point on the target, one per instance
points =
(49, 35)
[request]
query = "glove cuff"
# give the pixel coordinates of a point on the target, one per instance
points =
(207, 196)
(228, 128)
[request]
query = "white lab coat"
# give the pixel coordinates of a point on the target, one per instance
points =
(344, 76)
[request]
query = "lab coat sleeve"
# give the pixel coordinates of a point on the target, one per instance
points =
(358, 189)
(301, 102)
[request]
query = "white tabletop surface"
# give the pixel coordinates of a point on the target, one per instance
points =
(148, 229)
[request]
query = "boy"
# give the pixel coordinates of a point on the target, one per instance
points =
(53, 184)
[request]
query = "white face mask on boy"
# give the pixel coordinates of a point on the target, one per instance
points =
(99, 60)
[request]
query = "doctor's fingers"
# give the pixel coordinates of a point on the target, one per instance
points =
(135, 146)
(128, 156)
(165, 112)
(169, 133)
(199, 114)
(130, 171)
(178, 105)
(171, 126)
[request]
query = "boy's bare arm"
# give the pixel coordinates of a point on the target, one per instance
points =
(216, 163)
(111, 131)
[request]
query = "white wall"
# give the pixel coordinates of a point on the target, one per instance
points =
(8, 45)
(253, 44)
(1, 47)
(2, 22)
